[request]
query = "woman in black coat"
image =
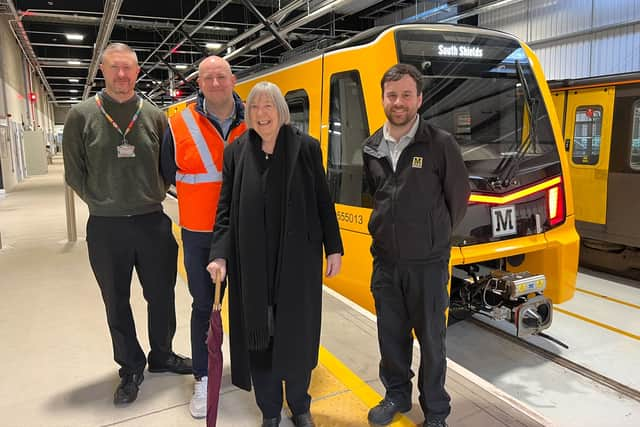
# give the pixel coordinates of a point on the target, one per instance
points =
(274, 215)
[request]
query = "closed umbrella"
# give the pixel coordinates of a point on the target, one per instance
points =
(214, 345)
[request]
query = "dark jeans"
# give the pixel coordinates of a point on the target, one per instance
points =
(413, 296)
(268, 387)
(196, 257)
(117, 245)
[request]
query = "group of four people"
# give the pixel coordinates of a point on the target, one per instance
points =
(255, 207)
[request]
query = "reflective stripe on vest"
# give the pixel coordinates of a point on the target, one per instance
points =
(212, 173)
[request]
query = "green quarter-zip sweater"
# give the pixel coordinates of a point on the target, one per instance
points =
(113, 186)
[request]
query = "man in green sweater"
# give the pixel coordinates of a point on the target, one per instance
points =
(111, 156)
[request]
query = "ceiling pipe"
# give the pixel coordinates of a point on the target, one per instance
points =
(321, 11)
(25, 45)
(283, 30)
(268, 24)
(111, 9)
(62, 18)
(480, 10)
(276, 17)
(202, 23)
(177, 27)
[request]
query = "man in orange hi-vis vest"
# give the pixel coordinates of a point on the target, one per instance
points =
(192, 160)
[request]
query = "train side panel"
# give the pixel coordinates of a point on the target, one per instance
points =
(353, 280)
(306, 76)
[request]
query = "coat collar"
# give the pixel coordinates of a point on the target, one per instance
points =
(291, 137)
(372, 145)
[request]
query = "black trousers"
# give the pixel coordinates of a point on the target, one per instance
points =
(117, 245)
(196, 257)
(268, 387)
(413, 296)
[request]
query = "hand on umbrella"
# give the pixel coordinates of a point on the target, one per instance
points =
(215, 266)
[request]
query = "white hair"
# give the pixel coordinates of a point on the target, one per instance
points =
(273, 92)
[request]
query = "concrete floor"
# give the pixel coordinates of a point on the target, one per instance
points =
(56, 358)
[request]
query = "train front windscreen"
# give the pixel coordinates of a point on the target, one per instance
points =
(483, 91)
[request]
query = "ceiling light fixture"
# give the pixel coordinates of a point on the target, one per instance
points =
(74, 81)
(181, 67)
(73, 62)
(74, 37)
(213, 46)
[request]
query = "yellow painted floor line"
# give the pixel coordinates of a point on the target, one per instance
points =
(355, 384)
(595, 294)
(595, 322)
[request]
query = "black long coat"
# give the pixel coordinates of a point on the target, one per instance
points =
(309, 223)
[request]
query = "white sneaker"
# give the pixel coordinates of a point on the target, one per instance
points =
(198, 405)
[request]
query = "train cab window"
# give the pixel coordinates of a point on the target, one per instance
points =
(298, 102)
(635, 138)
(586, 136)
(348, 128)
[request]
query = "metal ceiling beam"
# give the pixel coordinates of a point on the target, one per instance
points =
(25, 45)
(268, 24)
(276, 17)
(202, 23)
(138, 24)
(312, 16)
(111, 9)
(177, 27)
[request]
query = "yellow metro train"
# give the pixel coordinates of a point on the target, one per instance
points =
(600, 119)
(516, 251)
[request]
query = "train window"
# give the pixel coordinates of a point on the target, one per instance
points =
(586, 135)
(483, 91)
(348, 128)
(298, 102)
(635, 137)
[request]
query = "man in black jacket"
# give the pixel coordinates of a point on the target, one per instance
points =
(420, 186)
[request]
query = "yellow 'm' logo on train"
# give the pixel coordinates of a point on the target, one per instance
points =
(417, 163)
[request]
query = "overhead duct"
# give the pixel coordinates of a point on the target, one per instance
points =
(111, 9)
(62, 18)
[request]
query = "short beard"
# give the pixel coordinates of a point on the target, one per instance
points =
(399, 123)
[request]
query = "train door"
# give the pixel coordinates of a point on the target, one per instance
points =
(345, 130)
(624, 170)
(352, 108)
(588, 121)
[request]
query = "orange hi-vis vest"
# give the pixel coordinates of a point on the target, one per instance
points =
(198, 151)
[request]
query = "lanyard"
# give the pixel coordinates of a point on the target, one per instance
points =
(113, 122)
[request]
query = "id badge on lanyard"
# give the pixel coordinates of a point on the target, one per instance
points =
(124, 150)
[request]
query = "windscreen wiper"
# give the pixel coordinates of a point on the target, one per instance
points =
(510, 166)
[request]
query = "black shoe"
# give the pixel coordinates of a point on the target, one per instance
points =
(271, 422)
(174, 363)
(303, 420)
(383, 412)
(435, 423)
(127, 390)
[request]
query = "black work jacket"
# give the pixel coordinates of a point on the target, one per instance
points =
(417, 206)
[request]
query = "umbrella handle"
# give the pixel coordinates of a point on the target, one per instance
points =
(217, 304)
